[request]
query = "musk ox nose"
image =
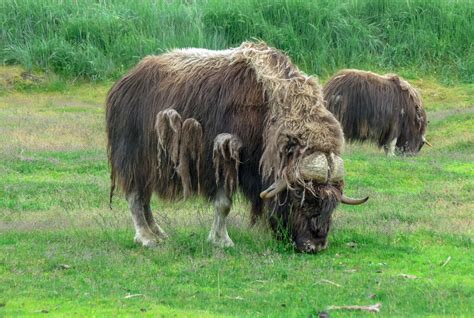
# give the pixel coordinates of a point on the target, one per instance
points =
(311, 247)
(310, 243)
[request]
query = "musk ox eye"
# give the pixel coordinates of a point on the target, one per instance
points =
(298, 193)
(292, 149)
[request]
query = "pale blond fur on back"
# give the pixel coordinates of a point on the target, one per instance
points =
(295, 100)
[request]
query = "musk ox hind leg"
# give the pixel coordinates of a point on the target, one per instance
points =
(154, 227)
(218, 235)
(143, 233)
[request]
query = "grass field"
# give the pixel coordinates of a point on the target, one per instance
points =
(65, 253)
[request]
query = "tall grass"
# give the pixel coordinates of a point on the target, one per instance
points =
(100, 39)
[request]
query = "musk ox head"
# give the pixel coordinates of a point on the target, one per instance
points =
(412, 130)
(305, 196)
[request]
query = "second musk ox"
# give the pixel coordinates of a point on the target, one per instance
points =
(196, 121)
(383, 109)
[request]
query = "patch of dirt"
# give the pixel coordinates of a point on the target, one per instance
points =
(15, 77)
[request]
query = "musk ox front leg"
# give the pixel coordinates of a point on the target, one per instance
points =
(218, 235)
(143, 233)
(226, 160)
(390, 147)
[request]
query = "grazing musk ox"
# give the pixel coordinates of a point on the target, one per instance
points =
(206, 122)
(384, 109)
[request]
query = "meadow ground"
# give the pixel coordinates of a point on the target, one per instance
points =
(63, 252)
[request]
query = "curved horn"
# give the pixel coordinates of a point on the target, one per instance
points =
(277, 187)
(426, 142)
(315, 167)
(351, 201)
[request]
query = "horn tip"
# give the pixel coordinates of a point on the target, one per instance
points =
(350, 201)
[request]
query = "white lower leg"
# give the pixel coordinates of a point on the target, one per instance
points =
(218, 235)
(143, 233)
(390, 148)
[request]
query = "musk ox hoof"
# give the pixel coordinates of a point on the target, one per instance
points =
(158, 232)
(146, 241)
(162, 235)
(220, 242)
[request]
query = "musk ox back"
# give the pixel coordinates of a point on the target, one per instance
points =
(196, 121)
(383, 109)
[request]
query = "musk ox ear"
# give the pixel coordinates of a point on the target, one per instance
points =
(289, 149)
(280, 148)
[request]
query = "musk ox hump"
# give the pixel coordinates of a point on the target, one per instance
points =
(226, 160)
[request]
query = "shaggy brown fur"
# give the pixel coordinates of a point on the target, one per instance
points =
(252, 92)
(377, 108)
(226, 160)
(181, 143)
(190, 152)
(168, 129)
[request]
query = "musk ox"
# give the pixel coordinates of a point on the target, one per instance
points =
(383, 109)
(196, 121)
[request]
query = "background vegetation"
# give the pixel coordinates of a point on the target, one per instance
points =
(100, 39)
(65, 253)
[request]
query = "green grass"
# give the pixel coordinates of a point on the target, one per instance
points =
(100, 39)
(54, 212)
